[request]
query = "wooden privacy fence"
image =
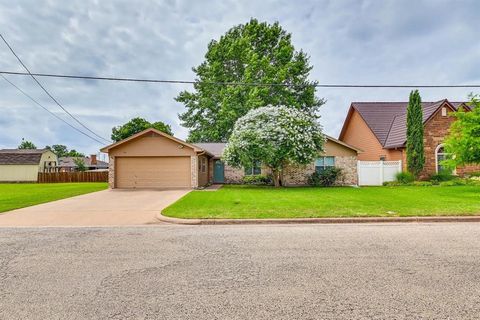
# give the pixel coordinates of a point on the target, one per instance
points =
(86, 176)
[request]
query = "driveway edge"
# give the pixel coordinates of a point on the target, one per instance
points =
(163, 218)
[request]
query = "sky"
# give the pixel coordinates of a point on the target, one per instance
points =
(349, 42)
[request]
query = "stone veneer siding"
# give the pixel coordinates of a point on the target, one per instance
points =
(111, 172)
(298, 175)
(233, 175)
(194, 171)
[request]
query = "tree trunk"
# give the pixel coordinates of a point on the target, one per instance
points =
(276, 178)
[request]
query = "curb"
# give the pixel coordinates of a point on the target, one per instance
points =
(163, 218)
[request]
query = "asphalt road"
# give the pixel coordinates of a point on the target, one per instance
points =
(386, 271)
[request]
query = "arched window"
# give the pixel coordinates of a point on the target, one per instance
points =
(440, 155)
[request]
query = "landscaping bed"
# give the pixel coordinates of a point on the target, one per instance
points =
(251, 202)
(15, 196)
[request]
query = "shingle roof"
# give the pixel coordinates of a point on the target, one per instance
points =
(215, 148)
(70, 162)
(21, 156)
(388, 120)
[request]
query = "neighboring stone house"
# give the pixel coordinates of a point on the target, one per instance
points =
(67, 164)
(23, 165)
(379, 129)
(336, 153)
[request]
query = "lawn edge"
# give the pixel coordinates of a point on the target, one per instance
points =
(172, 220)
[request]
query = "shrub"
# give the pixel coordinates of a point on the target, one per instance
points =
(442, 176)
(475, 174)
(257, 179)
(404, 177)
(325, 178)
(454, 182)
(422, 183)
(474, 181)
(393, 184)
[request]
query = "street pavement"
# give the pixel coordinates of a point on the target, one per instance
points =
(354, 271)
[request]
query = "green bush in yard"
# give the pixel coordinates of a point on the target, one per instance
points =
(404, 177)
(257, 179)
(422, 183)
(474, 174)
(454, 182)
(393, 184)
(473, 182)
(442, 176)
(325, 178)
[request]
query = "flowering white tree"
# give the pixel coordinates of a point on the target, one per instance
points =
(276, 136)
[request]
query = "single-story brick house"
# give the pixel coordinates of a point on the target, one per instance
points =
(380, 130)
(154, 159)
(23, 165)
(68, 164)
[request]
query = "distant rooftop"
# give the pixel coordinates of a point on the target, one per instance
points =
(21, 156)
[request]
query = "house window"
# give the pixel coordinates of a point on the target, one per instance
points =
(323, 163)
(203, 165)
(440, 155)
(256, 168)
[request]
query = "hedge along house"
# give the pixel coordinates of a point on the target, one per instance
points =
(154, 159)
(23, 165)
(380, 130)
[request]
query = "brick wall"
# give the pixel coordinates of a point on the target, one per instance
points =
(233, 175)
(298, 175)
(468, 169)
(436, 129)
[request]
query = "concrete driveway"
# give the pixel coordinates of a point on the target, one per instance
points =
(103, 208)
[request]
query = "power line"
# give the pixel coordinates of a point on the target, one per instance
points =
(48, 93)
(250, 84)
(53, 114)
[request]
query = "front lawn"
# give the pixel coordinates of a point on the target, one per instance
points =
(267, 202)
(14, 196)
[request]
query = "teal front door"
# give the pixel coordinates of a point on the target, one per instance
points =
(218, 172)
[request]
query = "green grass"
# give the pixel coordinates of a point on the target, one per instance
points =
(267, 202)
(14, 196)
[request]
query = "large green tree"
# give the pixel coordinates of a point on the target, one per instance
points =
(463, 141)
(135, 126)
(25, 144)
(252, 53)
(275, 136)
(415, 148)
(62, 151)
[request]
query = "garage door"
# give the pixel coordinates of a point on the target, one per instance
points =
(152, 172)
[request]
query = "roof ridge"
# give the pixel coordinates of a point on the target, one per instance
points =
(390, 129)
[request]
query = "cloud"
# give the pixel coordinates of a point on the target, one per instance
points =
(369, 42)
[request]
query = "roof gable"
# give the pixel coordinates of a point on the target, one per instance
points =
(145, 132)
(387, 120)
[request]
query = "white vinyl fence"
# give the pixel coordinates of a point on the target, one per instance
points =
(375, 173)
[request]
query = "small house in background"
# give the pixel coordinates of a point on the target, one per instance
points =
(67, 164)
(23, 165)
